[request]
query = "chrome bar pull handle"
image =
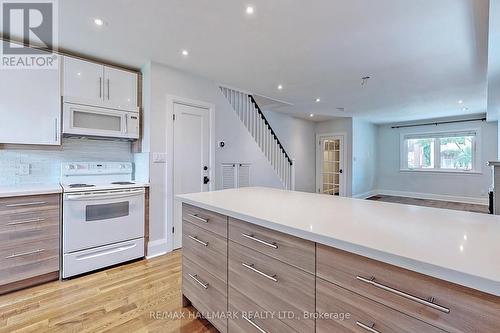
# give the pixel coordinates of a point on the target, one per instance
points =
(257, 327)
(430, 303)
(108, 89)
(35, 203)
(252, 237)
(26, 221)
(195, 238)
(253, 269)
(195, 216)
(369, 328)
(24, 254)
(100, 87)
(201, 283)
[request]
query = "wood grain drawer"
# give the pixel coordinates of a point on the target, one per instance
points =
(206, 249)
(205, 219)
(34, 203)
(345, 312)
(446, 305)
(292, 250)
(274, 285)
(13, 238)
(252, 318)
(30, 259)
(207, 293)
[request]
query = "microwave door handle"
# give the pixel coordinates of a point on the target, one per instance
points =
(99, 196)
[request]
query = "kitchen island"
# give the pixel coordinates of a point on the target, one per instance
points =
(322, 254)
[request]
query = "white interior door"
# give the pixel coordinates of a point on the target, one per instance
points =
(330, 175)
(191, 157)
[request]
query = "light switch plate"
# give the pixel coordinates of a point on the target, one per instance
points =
(159, 157)
(24, 169)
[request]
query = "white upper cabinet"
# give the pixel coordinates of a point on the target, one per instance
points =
(30, 106)
(94, 84)
(83, 81)
(120, 89)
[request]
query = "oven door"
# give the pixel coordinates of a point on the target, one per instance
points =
(97, 218)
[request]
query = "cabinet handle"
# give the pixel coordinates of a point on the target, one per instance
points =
(195, 216)
(252, 237)
(253, 269)
(56, 129)
(100, 87)
(257, 327)
(26, 221)
(36, 203)
(430, 303)
(24, 254)
(197, 240)
(369, 328)
(201, 283)
(108, 88)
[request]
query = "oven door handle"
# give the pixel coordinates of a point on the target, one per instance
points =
(105, 195)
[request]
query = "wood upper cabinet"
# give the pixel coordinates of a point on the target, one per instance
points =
(30, 106)
(90, 83)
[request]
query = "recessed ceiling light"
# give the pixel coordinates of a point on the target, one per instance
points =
(249, 10)
(98, 21)
(185, 53)
(460, 101)
(280, 87)
(311, 115)
(318, 100)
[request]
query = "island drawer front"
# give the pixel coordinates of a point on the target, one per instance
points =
(207, 293)
(292, 250)
(28, 204)
(28, 260)
(250, 317)
(205, 249)
(205, 219)
(459, 309)
(335, 303)
(274, 285)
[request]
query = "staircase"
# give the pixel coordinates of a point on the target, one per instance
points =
(256, 123)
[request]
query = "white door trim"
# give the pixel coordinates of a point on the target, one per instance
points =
(169, 207)
(342, 136)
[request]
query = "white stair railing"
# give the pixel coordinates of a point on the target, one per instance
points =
(256, 123)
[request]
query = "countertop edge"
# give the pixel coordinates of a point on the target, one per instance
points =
(443, 273)
(20, 192)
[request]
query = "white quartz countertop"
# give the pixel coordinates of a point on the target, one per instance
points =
(460, 247)
(28, 189)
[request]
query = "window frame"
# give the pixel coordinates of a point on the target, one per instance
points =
(476, 153)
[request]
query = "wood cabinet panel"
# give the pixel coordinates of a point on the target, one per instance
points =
(470, 311)
(274, 285)
(292, 250)
(12, 206)
(249, 317)
(206, 292)
(205, 219)
(346, 312)
(206, 249)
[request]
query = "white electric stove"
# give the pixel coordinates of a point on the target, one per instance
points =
(103, 216)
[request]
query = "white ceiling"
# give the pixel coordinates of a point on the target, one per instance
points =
(423, 56)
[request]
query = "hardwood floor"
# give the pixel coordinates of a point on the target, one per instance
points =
(137, 297)
(432, 203)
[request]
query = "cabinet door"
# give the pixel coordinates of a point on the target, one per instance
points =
(83, 82)
(30, 106)
(120, 89)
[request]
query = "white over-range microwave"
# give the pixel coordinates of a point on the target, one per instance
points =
(84, 120)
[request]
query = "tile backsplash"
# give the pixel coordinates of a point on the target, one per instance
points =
(45, 162)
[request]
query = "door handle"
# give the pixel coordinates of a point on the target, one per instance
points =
(340, 171)
(206, 180)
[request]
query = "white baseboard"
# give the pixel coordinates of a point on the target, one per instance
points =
(365, 195)
(157, 248)
(431, 196)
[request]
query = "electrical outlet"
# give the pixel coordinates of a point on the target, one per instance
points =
(24, 169)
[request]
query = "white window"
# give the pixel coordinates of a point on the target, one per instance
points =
(440, 151)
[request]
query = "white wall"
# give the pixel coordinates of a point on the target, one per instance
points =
(161, 81)
(341, 125)
(471, 187)
(298, 137)
(364, 158)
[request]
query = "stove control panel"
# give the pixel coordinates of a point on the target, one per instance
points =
(95, 168)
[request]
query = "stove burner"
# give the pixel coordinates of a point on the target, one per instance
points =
(80, 185)
(123, 183)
